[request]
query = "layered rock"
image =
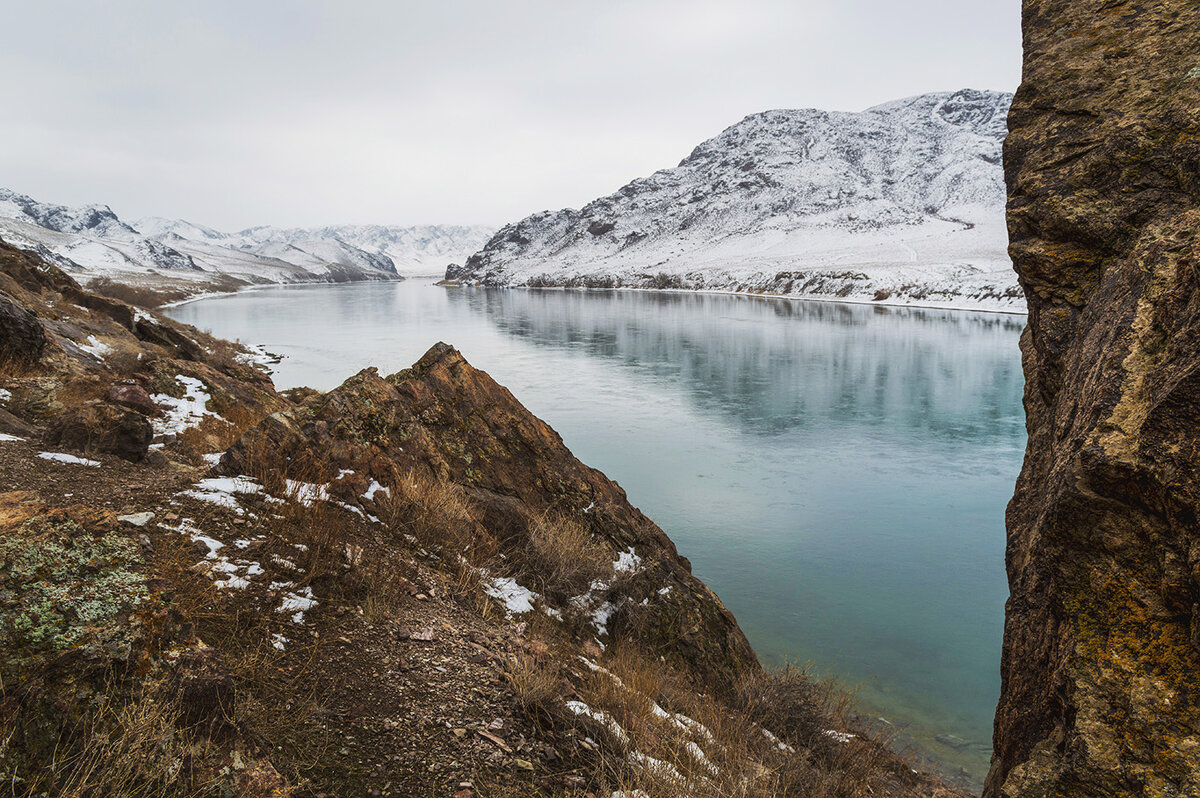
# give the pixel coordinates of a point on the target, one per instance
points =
(453, 422)
(1101, 665)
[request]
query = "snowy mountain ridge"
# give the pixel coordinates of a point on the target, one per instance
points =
(93, 242)
(903, 203)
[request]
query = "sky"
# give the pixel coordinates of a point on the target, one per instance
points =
(302, 113)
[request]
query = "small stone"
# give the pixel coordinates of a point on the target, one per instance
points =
(523, 764)
(136, 519)
(460, 733)
(498, 723)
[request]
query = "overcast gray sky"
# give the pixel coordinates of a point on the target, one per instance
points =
(235, 113)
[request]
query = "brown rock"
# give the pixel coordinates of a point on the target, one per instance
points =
(452, 422)
(134, 397)
(98, 427)
(22, 338)
(1101, 677)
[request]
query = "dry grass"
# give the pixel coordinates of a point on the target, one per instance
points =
(435, 513)
(117, 747)
(780, 737)
(218, 433)
(562, 558)
(537, 687)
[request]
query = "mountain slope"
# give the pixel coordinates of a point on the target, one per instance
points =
(902, 202)
(182, 258)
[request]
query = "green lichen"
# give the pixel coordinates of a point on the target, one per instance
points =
(62, 586)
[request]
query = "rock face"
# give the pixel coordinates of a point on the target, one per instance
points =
(21, 336)
(449, 420)
(100, 428)
(904, 199)
(1101, 666)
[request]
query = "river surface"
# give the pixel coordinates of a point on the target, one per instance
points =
(836, 473)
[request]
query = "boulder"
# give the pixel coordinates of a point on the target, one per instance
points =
(134, 397)
(102, 428)
(22, 339)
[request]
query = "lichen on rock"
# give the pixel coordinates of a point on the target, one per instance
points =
(1101, 662)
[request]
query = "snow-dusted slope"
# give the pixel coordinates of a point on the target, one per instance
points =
(902, 203)
(180, 256)
(417, 250)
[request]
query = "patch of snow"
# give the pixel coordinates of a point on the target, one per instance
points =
(628, 562)
(96, 348)
(780, 744)
(212, 458)
(601, 717)
(181, 414)
(657, 767)
(254, 569)
(282, 563)
(589, 508)
(306, 492)
(374, 488)
(516, 599)
(697, 753)
(5, 395)
(278, 641)
(839, 736)
(298, 602)
(59, 457)
(4, 436)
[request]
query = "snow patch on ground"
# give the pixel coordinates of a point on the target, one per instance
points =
(516, 598)
(96, 348)
(181, 414)
(298, 602)
(307, 493)
(601, 717)
(59, 457)
(4, 436)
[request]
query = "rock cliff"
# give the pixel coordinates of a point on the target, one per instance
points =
(1101, 664)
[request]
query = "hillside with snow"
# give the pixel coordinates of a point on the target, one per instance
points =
(902, 203)
(91, 242)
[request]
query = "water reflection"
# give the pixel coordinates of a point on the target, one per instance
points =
(777, 364)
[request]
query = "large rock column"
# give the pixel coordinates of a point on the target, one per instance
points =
(1101, 666)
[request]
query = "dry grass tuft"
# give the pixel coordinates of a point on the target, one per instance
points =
(436, 513)
(538, 688)
(562, 558)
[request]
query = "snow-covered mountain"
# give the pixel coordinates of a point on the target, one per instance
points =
(417, 250)
(168, 254)
(902, 203)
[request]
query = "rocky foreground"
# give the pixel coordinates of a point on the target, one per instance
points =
(406, 586)
(1101, 692)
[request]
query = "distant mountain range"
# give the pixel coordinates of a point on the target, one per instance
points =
(902, 203)
(92, 242)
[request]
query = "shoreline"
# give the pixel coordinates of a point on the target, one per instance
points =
(753, 295)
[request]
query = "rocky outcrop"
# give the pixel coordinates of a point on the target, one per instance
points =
(100, 428)
(21, 336)
(453, 422)
(1101, 665)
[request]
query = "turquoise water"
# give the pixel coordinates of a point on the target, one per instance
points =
(837, 473)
